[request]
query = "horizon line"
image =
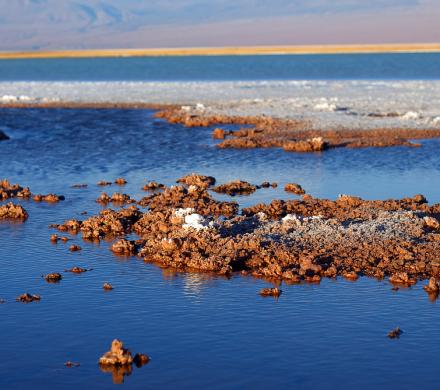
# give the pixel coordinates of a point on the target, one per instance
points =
(227, 50)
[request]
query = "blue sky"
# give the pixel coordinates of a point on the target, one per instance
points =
(57, 24)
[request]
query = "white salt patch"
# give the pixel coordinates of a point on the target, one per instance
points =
(200, 106)
(411, 115)
(195, 221)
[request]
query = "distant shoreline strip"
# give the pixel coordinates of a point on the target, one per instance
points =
(226, 51)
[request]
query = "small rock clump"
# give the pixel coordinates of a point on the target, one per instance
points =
(295, 188)
(270, 292)
(54, 277)
(27, 298)
(107, 286)
(153, 186)
(117, 356)
(77, 270)
(433, 286)
(195, 179)
(104, 183)
(13, 211)
(74, 248)
(49, 198)
(8, 190)
(120, 181)
(124, 247)
(395, 333)
(237, 187)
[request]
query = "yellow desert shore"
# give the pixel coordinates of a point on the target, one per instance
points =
(244, 50)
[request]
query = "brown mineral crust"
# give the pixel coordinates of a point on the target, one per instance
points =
(193, 197)
(220, 133)
(71, 225)
(124, 247)
(49, 198)
(117, 198)
(295, 135)
(110, 223)
(13, 211)
(195, 179)
(295, 188)
(237, 187)
(153, 186)
(345, 207)
(8, 190)
(27, 298)
(103, 198)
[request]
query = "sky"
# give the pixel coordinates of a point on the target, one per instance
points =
(89, 24)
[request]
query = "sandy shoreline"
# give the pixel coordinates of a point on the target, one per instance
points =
(221, 51)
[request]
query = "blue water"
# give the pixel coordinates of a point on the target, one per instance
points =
(200, 331)
(404, 66)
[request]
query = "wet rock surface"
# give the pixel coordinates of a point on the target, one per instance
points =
(270, 292)
(395, 333)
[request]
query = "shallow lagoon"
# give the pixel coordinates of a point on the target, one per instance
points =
(198, 329)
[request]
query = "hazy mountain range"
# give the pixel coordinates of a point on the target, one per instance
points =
(44, 24)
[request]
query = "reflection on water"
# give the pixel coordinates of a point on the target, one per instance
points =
(203, 331)
(118, 372)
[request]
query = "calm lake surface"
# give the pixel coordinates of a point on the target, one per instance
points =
(405, 66)
(200, 331)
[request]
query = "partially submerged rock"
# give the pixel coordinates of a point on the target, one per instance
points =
(8, 190)
(195, 179)
(270, 292)
(153, 186)
(117, 356)
(3, 136)
(70, 364)
(50, 198)
(124, 247)
(433, 286)
(54, 277)
(74, 248)
(77, 270)
(295, 188)
(13, 211)
(140, 359)
(395, 333)
(237, 187)
(103, 183)
(120, 181)
(27, 298)
(107, 286)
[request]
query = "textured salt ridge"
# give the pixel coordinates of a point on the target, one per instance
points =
(351, 104)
